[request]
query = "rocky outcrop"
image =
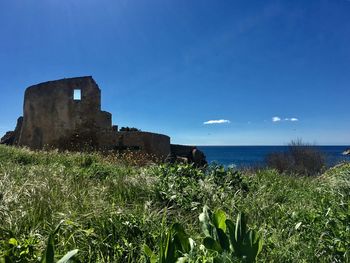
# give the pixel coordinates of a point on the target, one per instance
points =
(346, 152)
(198, 157)
(185, 153)
(8, 138)
(12, 137)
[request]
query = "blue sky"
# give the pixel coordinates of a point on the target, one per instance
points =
(170, 66)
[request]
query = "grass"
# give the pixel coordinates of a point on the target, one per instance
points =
(109, 207)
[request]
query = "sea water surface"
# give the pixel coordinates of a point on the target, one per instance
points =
(248, 156)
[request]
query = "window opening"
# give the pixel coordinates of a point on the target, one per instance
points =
(77, 94)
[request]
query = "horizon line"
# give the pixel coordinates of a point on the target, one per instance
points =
(263, 145)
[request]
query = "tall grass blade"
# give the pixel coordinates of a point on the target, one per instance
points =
(68, 256)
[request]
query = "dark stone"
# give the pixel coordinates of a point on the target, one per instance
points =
(8, 138)
(182, 150)
(18, 130)
(198, 157)
(190, 153)
(12, 137)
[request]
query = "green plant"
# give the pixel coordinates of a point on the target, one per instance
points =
(15, 250)
(179, 184)
(188, 187)
(17, 253)
(173, 245)
(49, 253)
(112, 207)
(226, 177)
(225, 237)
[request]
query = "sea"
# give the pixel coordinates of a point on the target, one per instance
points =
(255, 156)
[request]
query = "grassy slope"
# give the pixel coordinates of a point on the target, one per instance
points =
(110, 209)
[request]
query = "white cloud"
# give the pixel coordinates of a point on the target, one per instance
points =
(276, 119)
(291, 119)
(216, 121)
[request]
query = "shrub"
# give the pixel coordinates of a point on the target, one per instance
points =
(187, 187)
(179, 184)
(127, 129)
(301, 159)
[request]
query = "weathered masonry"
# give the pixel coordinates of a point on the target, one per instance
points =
(57, 112)
(66, 114)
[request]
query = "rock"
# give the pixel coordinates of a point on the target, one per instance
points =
(181, 159)
(8, 138)
(198, 157)
(18, 130)
(190, 153)
(346, 152)
(12, 137)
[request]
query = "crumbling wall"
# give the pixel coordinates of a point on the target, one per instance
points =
(151, 143)
(52, 115)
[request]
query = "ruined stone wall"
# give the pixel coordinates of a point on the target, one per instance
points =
(52, 116)
(151, 143)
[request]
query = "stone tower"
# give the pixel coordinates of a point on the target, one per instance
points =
(57, 113)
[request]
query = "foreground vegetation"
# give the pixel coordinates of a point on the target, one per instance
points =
(112, 210)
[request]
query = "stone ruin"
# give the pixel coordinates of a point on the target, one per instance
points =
(66, 115)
